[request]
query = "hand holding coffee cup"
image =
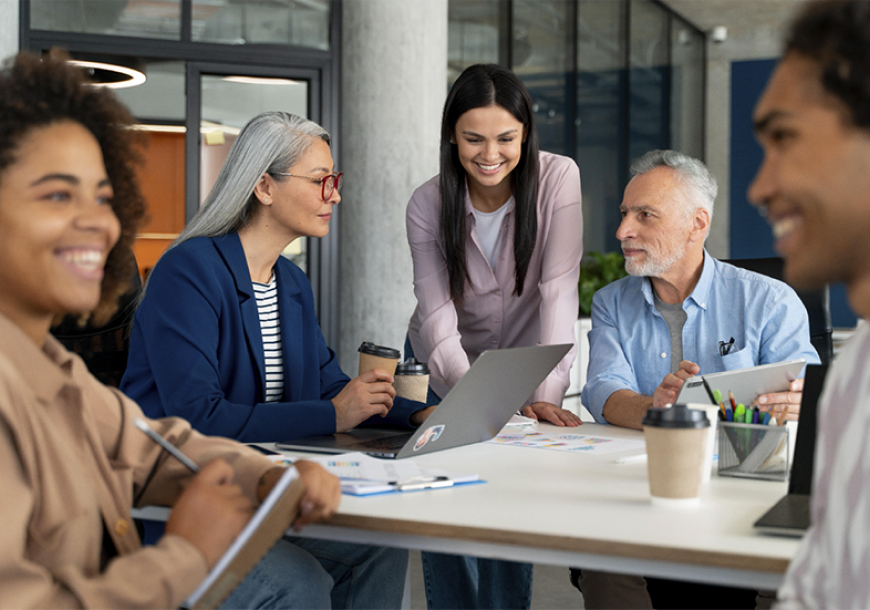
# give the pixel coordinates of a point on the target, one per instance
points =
(365, 396)
(676, 442)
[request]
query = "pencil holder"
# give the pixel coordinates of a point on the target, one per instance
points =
(753, 451)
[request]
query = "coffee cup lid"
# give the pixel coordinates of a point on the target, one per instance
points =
(368, 347)
(412, 367)
(678, 416)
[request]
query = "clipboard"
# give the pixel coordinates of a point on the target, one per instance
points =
(273, 517)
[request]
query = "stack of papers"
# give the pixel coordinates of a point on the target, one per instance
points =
(364, 475)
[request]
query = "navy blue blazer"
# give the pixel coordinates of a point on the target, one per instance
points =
(196, 351)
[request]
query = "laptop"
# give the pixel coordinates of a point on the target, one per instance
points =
(791, 515)
(746, 384)
(475, 410)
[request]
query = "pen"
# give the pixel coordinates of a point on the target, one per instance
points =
(172, 449)
(630, 459)
(422, 483)
(755, 415)
(709, 391)
(717, 396)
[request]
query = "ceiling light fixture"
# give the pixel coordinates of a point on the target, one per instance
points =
(260, 80)
(113, 76)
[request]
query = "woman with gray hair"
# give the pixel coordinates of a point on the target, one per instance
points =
(226, 335)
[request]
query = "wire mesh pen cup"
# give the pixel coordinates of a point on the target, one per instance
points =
(753, 451)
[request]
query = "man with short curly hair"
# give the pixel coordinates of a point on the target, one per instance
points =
(813, 122)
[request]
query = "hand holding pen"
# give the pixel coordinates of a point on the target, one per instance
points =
(211, 511)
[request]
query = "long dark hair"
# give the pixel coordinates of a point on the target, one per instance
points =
(486, 85)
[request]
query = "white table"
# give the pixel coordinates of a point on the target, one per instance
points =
(575, 510)
(567, 509)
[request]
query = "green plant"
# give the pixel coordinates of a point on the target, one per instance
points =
(597, 270)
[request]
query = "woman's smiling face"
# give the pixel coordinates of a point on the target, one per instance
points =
(489, 141)
(56, 227)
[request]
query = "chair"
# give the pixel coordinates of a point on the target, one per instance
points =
(104, 349)
(817, 302)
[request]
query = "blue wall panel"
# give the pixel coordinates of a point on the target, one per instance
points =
(750, 234)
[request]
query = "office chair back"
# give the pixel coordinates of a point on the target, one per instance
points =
(817, 302)
(104, 349)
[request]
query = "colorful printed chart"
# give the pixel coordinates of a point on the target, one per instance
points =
(576, 443)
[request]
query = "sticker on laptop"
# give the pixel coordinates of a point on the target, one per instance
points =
(430, 434)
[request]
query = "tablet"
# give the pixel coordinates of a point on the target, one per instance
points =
(745, 384)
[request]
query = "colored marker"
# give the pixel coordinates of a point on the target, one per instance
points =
(739, 412)
(755, 415)
(717, 396)
(766, 419)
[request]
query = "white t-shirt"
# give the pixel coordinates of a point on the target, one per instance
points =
(488, 228)
(830, 569)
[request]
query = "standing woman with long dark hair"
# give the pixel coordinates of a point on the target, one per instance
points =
(496, 240)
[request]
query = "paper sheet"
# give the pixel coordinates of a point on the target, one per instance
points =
(363, 474)
(567, 441)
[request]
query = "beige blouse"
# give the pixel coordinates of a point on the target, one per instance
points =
(70, 460)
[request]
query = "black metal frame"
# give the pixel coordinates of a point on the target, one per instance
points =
(320, 68)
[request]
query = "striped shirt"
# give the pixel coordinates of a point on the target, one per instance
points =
(270, 329)
(832, 566)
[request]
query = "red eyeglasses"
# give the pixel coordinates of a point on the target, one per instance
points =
(328, 184)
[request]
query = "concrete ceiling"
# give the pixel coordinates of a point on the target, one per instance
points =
(755, 27)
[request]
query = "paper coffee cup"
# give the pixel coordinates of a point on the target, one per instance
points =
(676, 443)
(712, 412)
(412, 380)
(373, 356)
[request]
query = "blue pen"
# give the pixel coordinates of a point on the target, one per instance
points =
(766, 419)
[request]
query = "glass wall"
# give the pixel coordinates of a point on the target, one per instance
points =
(296, 22)
(139, 18)
(207, 67)
(609, 80)
(304, 23)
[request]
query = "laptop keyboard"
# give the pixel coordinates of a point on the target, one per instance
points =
(388, 442)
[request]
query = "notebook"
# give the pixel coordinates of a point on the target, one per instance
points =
(475, 410)
(746, 384)
(791, 515)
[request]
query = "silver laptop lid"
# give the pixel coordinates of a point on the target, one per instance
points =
(477, 408)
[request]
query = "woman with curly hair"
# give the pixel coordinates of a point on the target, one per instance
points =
(72, 463)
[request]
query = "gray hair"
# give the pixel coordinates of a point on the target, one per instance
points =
(270, 142)
(699, 184)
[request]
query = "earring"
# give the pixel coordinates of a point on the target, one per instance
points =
(266, 200)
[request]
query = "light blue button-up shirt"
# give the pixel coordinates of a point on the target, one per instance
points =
(630, 344)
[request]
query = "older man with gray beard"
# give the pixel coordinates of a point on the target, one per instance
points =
(681, 312)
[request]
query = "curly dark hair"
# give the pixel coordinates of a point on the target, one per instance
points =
(36, 92)
(836, 34)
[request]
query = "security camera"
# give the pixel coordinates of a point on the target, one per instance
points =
(719, 34)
